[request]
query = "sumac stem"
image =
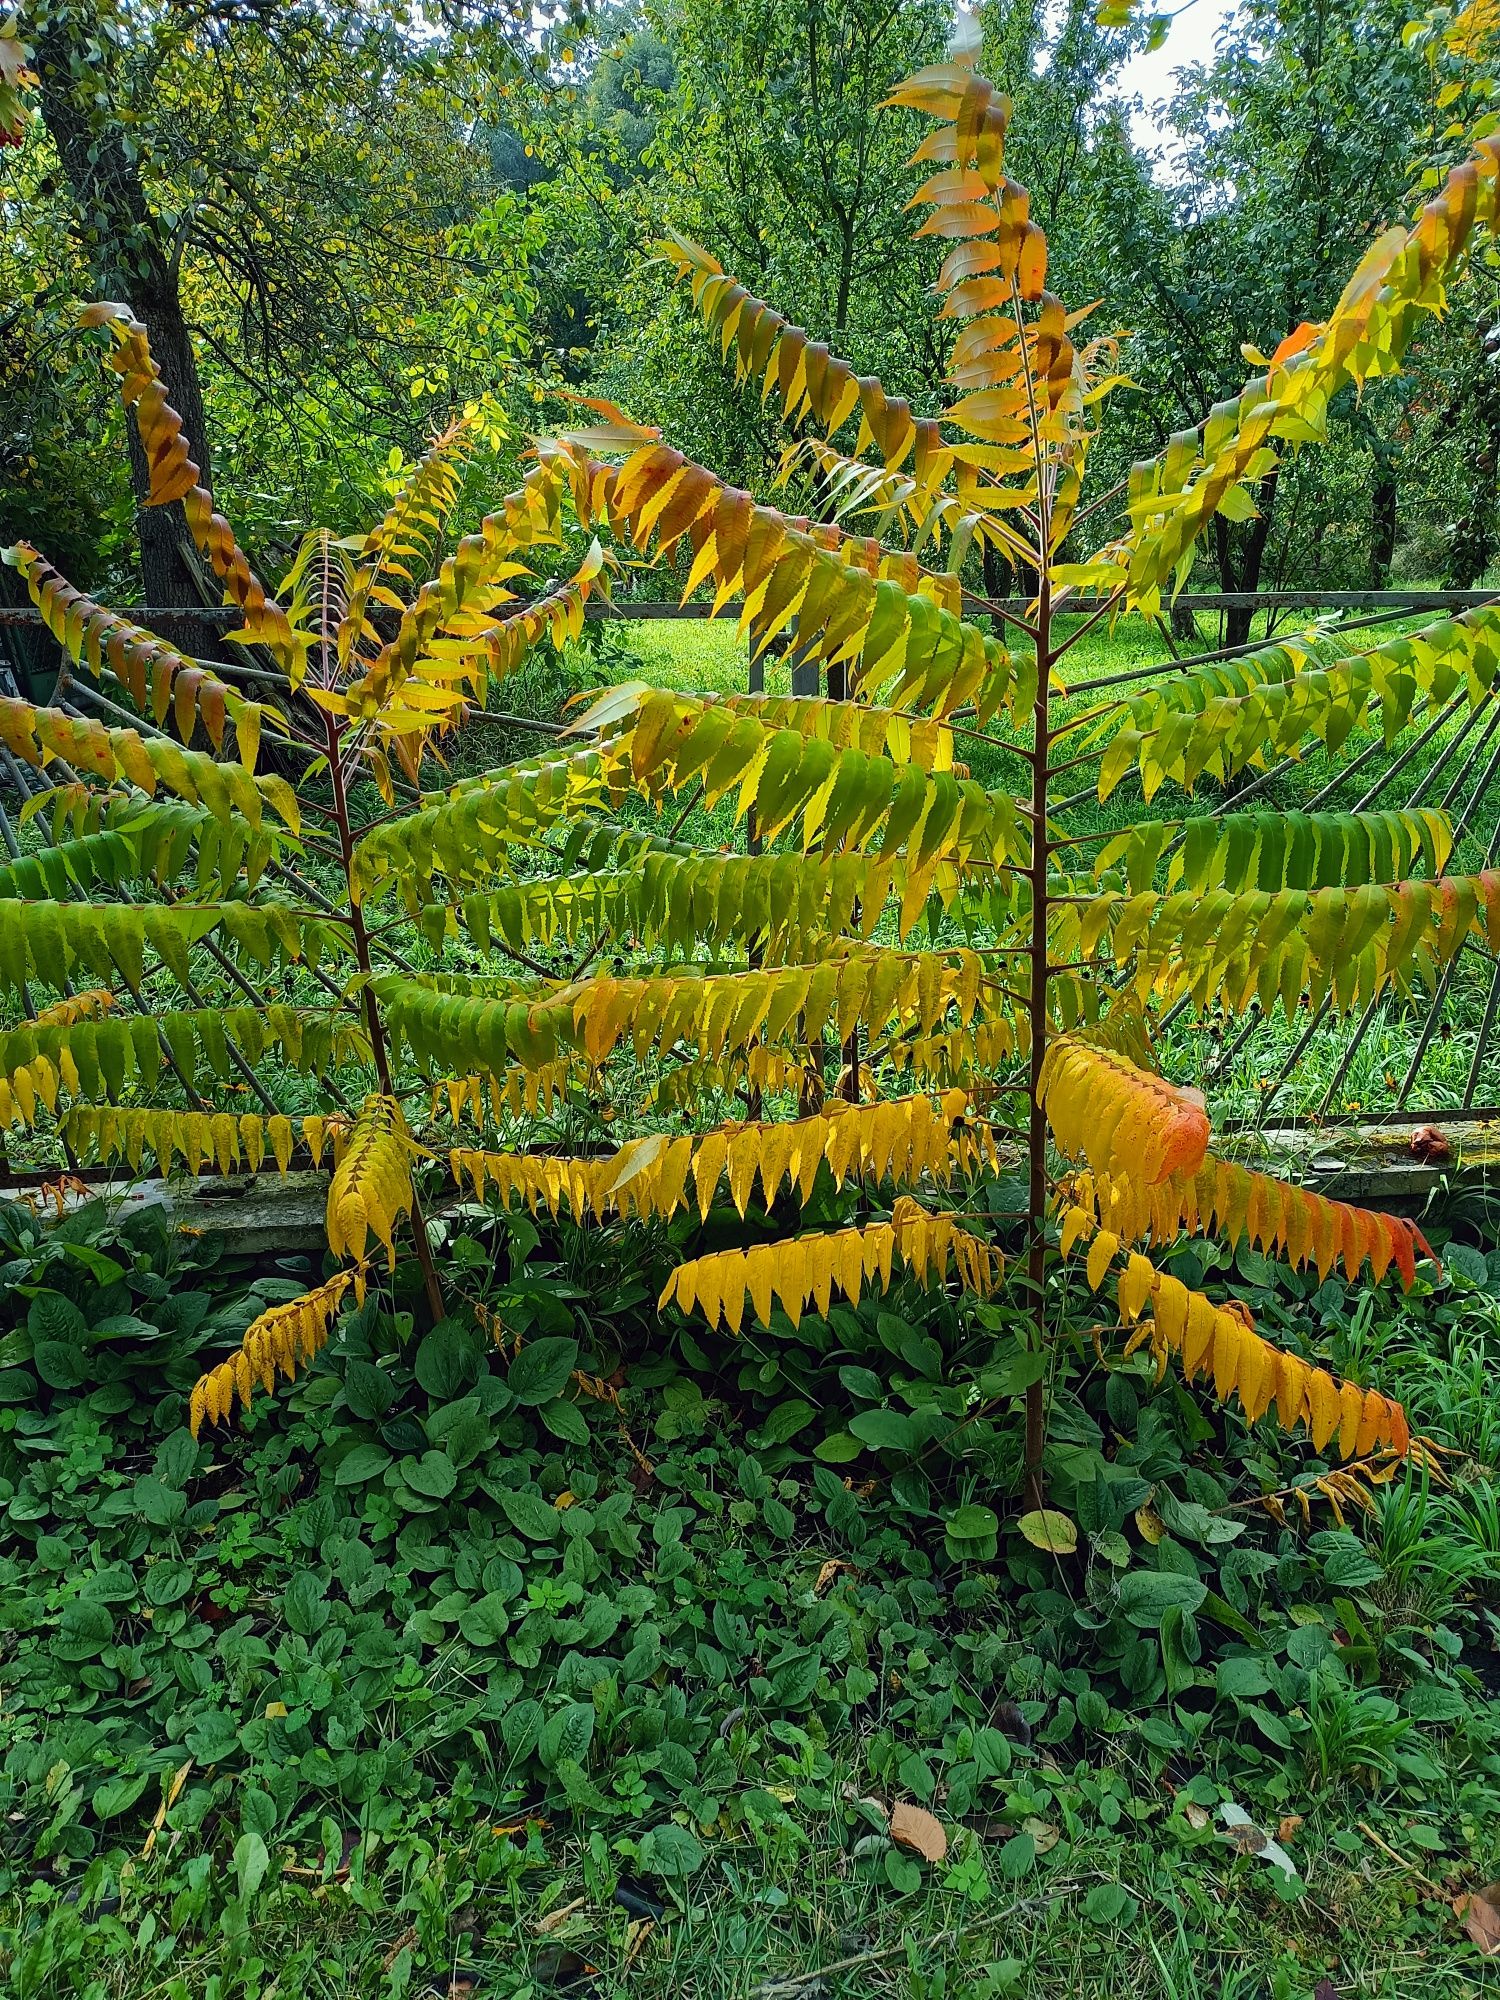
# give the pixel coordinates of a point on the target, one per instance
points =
(1036, 1138)
(378, 1050)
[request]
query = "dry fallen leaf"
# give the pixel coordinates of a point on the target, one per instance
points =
(1044, 1835)
(1480, 1916)
(635, 1939)
(1242, 1833)
(555, 1919)
(403, 1943)
(169, 1799)
(829, 1575)
(918, 1832)
(1431, 1146)
(1195, 1816)
(1288, 1828)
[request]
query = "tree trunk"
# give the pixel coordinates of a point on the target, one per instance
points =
(27, 653)
(130, 265)
(845, 280)
(1382, 524)
(1239, 569)
(996, 571)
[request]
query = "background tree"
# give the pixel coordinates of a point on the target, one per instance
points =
(293, 200)
(340, 221)
(1292, 148)
(759, 119)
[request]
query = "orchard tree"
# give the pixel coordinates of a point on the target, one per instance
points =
(1292, 148)
(271, 186)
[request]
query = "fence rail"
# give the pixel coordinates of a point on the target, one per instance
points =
(28, 616)
(268, 1214)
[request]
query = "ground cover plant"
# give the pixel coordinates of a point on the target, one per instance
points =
(845, 1381)
(468, 1666)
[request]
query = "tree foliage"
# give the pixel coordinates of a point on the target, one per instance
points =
(292, 201)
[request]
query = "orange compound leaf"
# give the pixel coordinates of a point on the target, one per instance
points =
(1237, 1205)
(894, 623)
(174, 475)
(159, 679)
(1129, 1124)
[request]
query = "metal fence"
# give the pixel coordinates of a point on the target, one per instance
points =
(1459, 777)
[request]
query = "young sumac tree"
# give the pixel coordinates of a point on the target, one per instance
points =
(908, 982)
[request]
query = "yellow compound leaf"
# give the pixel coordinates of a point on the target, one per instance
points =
(802, 1274)
(371, 1187)
(1136, 1284)
(155, 674)
(1220, 1343)
(1323, 1406)
(899, 1139)
(219, 1140)
(283, 1339)
(87, 1006)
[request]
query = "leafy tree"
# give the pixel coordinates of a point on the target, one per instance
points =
(287, 198)
(767, 135)
(904, 971)
(1456, 406)
(806, 182)
(635, 73)
(1293, 145)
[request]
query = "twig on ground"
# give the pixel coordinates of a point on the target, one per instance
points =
(796, 1983)
(1409, 1867)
